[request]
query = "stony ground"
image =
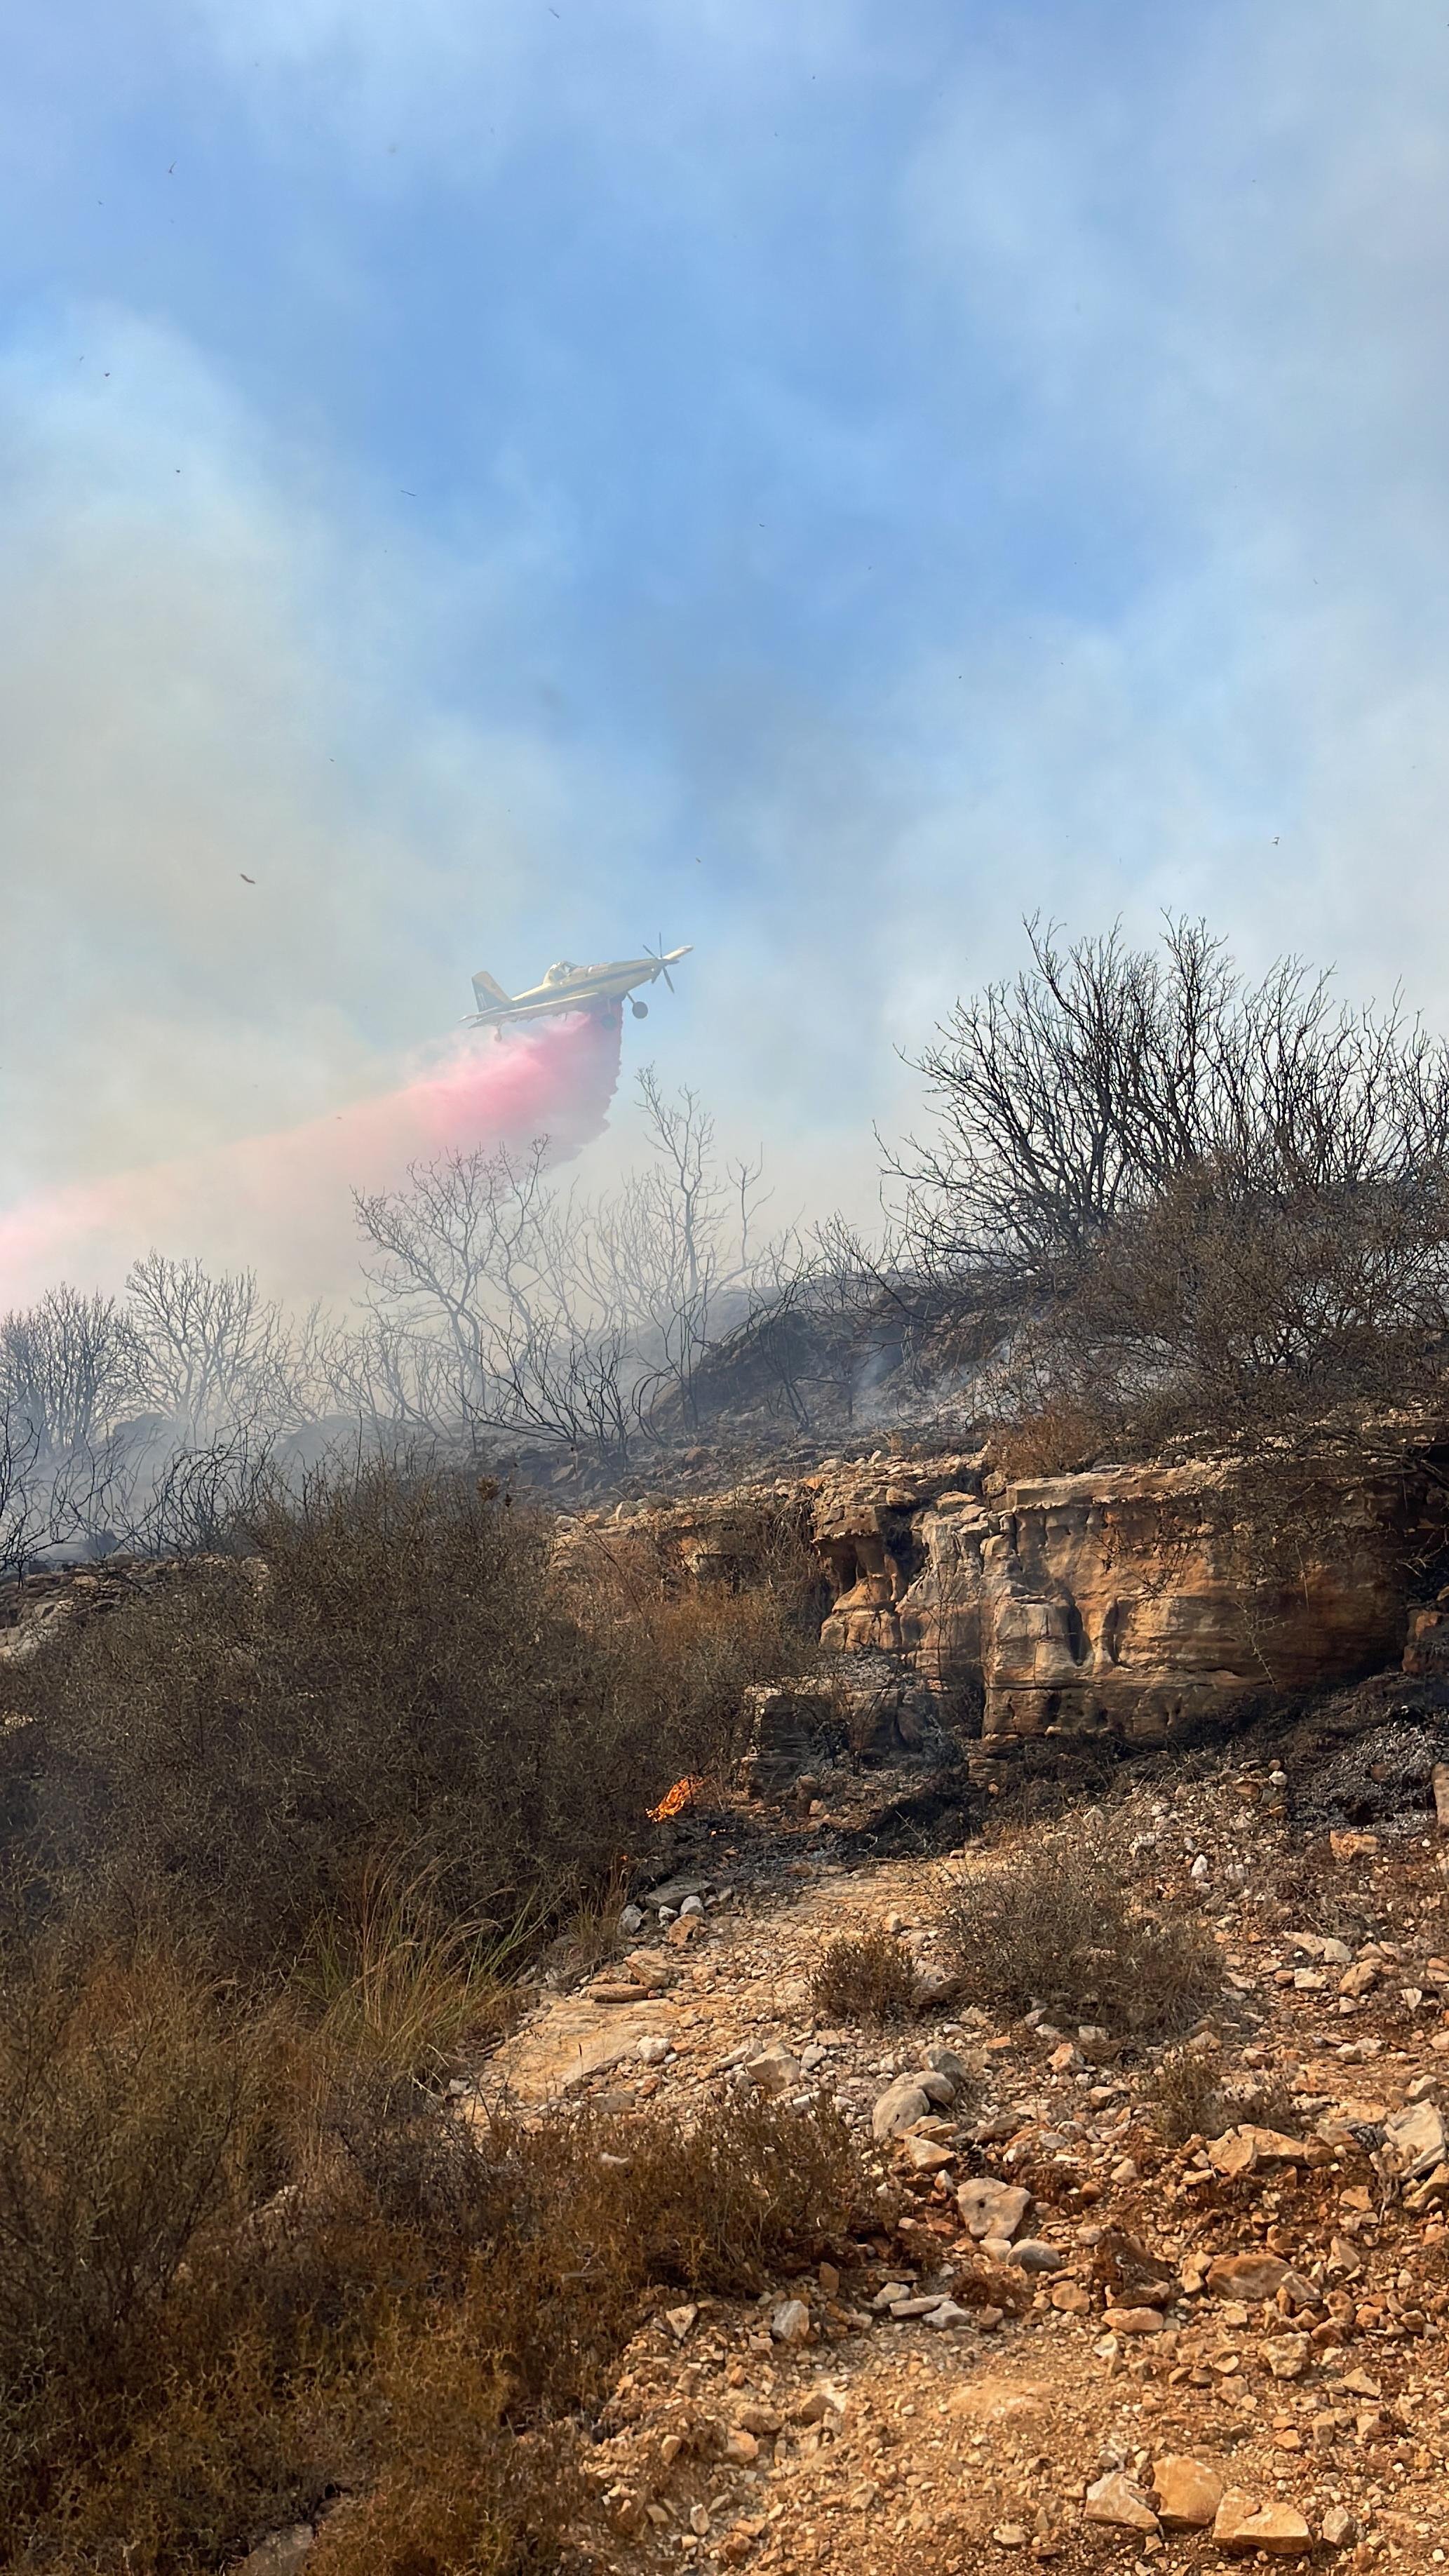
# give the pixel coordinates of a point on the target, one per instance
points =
(1071, 2339)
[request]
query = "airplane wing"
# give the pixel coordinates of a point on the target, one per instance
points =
(487, 990)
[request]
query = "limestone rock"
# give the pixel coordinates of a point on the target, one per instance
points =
(1118, 2500)
(1232, 2154)
(991, 2208)
(925, 2155)
(754, 2417)
(280, 2554)
(1035, 2256)
(899, 2108)
(1352, 1846)
(1414, 2141)
(1071, 2298)
(1243, 2149)
(934, 1987)
(937, 2087)
(773, 2072)
(1188, 2492)
(790, 2322)
(649, 1968)
(1024, 2404)
(1051, 1592)
(1243, 2523)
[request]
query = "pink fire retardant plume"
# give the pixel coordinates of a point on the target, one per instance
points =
(282, 1204)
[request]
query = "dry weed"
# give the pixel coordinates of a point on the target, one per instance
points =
(245, 2270)
(1184, 2096)
(1053, 1919)
(393, 1979)
(865, 1977)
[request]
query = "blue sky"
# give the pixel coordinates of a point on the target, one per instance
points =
(814, 480)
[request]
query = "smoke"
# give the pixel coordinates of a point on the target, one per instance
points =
(282, 1204)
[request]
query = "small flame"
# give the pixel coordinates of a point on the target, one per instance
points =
(682, 1795)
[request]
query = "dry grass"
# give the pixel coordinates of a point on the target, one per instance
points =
(245, 2270)
(395, 1981)
(1055, 1920)
(865, 1977)
(455, 2489)
(1184, 2096)
(275, 1839)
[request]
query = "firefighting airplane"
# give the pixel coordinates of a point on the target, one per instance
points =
(567, 987)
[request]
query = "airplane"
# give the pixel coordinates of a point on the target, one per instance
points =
(567, 987)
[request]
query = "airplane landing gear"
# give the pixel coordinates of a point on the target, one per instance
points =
(640, 1010)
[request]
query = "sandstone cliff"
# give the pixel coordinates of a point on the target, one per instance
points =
(1134, 1602)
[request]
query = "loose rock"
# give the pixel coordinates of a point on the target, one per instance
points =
(1243, 2523)
(1118, 2500)
(899, 2108)
(1253, 2277)
(991, 2208)
(790, 2322)
(1188, 2492)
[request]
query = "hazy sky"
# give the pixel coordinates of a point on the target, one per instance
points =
(812, 478)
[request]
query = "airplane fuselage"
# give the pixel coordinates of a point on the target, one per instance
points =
(567, 987)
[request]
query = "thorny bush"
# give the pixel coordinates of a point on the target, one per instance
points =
(1056, 1920)
(401, 1667)
(864, 1977)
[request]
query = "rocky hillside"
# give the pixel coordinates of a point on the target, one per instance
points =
(1124, 2299)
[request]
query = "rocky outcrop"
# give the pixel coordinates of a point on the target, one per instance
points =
(1127, 1601)
(39, 1609)
(1136, 1603)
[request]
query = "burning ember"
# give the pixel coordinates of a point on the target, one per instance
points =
(682, 1795)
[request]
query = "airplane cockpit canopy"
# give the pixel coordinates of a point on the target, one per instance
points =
(561, 971)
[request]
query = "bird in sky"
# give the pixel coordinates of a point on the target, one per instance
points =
(246, 880)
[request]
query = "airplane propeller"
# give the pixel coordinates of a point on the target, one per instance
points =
(658, 955)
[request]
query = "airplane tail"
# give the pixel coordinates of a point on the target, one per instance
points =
(486, 991)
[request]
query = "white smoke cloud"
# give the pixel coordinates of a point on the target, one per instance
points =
(209, 674)
(1201, 280)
